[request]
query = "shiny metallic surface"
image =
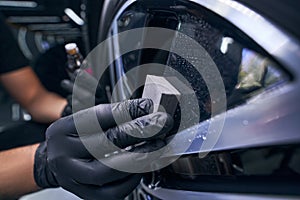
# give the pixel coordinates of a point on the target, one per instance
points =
(264, 120)
(166, 194)
(270, 118)
(277, 43)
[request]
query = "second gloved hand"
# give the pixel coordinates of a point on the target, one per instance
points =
(63, 160)
(83, 92)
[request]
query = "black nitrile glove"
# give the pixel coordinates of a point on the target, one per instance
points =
(83, 92)
(63, 160)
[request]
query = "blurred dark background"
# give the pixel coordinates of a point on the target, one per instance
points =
(41, 28)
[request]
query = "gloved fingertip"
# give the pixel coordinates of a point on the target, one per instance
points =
(140, 107)
(164, 120)
(147, 104)
(65, 82)
(67, 85)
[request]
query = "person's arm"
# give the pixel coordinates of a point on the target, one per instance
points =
(63, 160)
(25, 87)
(16, 172)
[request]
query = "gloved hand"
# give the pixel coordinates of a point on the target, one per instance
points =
(63, 160)
(83, 92)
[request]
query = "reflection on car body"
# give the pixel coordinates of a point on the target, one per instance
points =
(256, 77)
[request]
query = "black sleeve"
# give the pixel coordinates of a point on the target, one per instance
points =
(11, 57)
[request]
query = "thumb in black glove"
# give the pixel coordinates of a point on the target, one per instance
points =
(63, 160)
